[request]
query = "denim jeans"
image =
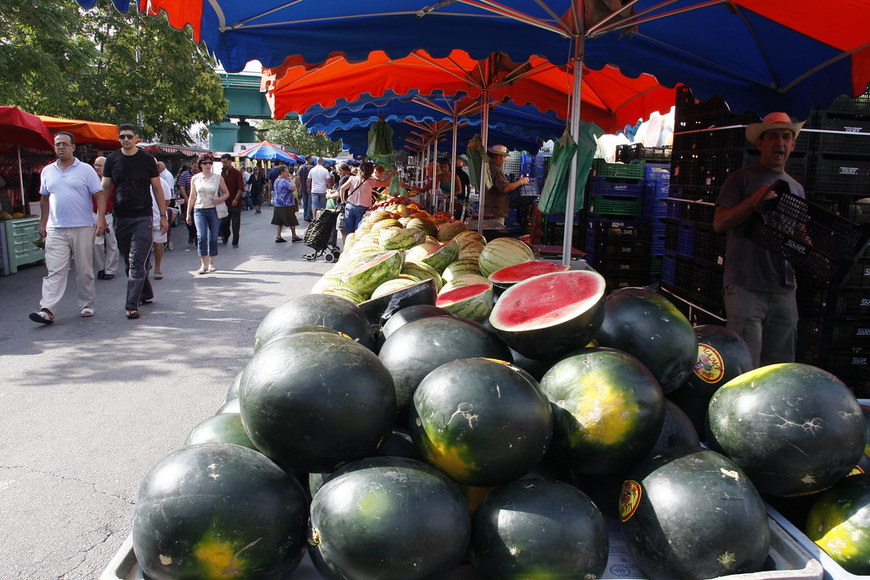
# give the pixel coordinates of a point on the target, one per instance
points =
(306, 206)
(232, 221)
(207, 225)
(135, 243)
(353, 215)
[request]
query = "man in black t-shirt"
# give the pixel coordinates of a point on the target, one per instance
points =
(134, 173)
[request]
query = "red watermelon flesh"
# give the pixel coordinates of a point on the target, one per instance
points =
(524, 271)
(552, 314)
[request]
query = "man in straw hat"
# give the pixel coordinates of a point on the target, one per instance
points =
(759, 286)
(496, 202)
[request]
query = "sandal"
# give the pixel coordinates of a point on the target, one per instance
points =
(132, 314)
(146, 302)
(280, 240)
(42, 316)
(297, 239)
(87, 312)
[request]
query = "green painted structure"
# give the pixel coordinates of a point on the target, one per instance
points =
(245, 102)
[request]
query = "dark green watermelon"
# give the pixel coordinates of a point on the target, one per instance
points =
(483, 422)
(233, 391)
(691, 513)
(390, 518)
(421, 346)
(406, 315)
(319, 309)
(218, 510)
(677, 430)
(647, 326)
(608, 410)
(295, 330)
(839, 523)
(793, 428)
(221, 428)
(722, 356)
(314, 400)
(537, 528)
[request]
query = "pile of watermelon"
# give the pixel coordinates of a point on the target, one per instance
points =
(489, 416)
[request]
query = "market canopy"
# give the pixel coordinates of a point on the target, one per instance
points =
(100, 135)
(22, 129)
(758, 55)
(609, 98)
(266, 150)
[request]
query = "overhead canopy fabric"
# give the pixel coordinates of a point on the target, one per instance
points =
(22, 129)
(266, 150)
(609, 98)
(757, 54)
(100, 135)
(163, 148)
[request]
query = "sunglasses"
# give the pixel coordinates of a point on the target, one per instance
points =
(206, 162)
(126, 136)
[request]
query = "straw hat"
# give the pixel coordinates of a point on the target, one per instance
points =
(498, 150)
(772, 121)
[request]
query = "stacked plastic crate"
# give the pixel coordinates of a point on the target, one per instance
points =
(709, 143)
(834, 331)
(617, 240)
(656, 179)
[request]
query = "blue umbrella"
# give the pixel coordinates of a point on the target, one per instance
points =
(266, 150)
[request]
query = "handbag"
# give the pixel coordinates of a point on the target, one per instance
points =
(222, 210)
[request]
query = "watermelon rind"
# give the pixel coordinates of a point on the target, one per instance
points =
(503, 252)
(552, 314)
(370, 274)
(510, 275)
(473, 301)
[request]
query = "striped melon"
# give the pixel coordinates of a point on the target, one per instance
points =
(464, 280)
(393, 285)
(366, 277)
(470, 251)
(346, 293)
(423, 272)
(420, 251)
(425, 224)
(473, 302)
(469, 236)
(503, 252)
(385, 223)
(459, 268)
(399, 238)
(440, 257)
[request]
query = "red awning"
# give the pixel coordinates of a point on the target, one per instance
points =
(100, 135)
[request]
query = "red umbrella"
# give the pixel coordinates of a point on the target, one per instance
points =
(21, 129)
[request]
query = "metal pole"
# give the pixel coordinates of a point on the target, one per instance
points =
(568, 239)
(21, 183)
(434, 168)
(484, 136)
(453, 163)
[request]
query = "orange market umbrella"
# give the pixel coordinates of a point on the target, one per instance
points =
(610, 99)
(101, 135)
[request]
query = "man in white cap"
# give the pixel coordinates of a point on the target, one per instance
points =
(496, 202)
(759, 286)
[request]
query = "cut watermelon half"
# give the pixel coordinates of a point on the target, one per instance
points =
(510, 275)
(552, 314)
(473, 301)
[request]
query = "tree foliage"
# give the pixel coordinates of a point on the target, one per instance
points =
(292, 133)
(102, 65)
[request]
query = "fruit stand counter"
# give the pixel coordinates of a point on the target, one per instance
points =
(20, 249)
(787, 560)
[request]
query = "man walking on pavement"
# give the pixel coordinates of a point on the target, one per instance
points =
(305, 190)
(106, 256)
(132, 171)
(66, 222)
(236, 186)
(319, 180)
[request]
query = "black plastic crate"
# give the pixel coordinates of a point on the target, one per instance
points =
(669, 268)
(840, 175)
(609, 230)
(684, 271)
(844, 143)
(683, 209)
(709, 245)
(694, 193)
(833, 302)
(672, 234)
(620, 266)
(707, 280)
(686, 238)
(858, 275)
(815, 241)
(852, 105)
(835, 331)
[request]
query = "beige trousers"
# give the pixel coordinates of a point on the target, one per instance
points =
(61, 246)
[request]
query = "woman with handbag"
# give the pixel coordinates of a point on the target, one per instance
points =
(208, 194)
(358, 192)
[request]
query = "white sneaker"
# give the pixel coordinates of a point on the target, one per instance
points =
(212, 268)
(202, 270)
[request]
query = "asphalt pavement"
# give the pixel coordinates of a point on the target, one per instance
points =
(88, 405)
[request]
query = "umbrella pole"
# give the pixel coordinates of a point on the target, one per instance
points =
(21, 183)
(568, 239)
(453, 164)
(484, 137)
(434, 165)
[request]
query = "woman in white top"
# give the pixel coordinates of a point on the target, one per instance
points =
(357, 191)
(207, 189)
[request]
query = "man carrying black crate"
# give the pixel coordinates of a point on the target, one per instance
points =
(759, 286)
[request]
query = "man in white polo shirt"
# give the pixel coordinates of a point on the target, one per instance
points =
(66, 222)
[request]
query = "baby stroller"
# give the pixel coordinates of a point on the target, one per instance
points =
(321, 235)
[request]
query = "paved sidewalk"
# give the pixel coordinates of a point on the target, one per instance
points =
(87, 406)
